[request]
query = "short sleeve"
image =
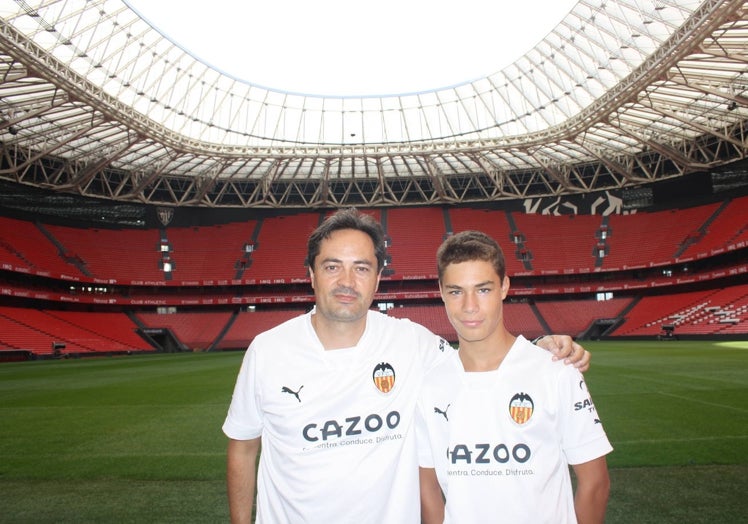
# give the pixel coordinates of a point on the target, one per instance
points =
(244, 418)
(434, 350)
(583, 436)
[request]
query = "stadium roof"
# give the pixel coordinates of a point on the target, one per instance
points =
(622, 92)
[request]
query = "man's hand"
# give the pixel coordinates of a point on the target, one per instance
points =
(563, 347)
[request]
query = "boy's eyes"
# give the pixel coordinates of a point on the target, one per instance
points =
(481, 291)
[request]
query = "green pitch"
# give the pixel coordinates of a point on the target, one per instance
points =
(138, 439)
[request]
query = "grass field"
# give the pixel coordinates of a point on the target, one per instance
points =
(138, 438)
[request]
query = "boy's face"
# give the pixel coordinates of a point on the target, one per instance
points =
(473, 295)
(345, 276)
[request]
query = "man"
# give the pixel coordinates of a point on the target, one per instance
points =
(332, 394)
(498, 422)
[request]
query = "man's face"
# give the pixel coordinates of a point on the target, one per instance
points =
(473, 295)
(345, 276)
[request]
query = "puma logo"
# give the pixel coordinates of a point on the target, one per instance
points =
(292, 392)
(437, 410)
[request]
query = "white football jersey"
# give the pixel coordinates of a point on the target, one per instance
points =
(501, 441)
(337, 427)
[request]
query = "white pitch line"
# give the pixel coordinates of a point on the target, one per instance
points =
(725, 406)
(691, 439)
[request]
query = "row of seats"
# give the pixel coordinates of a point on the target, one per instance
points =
(710, 312)
(80, 332)
(715, 312)
(533, 243)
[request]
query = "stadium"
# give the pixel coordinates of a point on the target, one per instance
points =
(154, 213)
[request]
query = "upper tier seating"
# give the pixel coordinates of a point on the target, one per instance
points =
(728, 227)
(415, 235)
(23, 244)
(211, 252)
(540, 244)
(124, 254)
(493, 223)
(560, 243)
(644, 238)
(281, 247)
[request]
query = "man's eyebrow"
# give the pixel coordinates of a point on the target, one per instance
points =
(330, 259)
(339, 261)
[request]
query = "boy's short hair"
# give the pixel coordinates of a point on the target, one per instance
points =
(467, 246)
(350, 218)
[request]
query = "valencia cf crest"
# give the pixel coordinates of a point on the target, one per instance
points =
(384, 377)
(521, 407)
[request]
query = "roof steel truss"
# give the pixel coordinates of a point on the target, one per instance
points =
(682, 109)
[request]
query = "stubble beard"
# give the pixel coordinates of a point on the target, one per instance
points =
(347, 312)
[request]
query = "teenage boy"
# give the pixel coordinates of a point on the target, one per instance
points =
(498, 422)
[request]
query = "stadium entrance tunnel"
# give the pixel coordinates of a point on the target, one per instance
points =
(600, 328)
(162, 339)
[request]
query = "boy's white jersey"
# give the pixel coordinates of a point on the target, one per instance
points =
(337, 427)
(501, 441)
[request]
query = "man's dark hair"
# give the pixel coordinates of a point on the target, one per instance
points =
(467, 246)
(350, 218)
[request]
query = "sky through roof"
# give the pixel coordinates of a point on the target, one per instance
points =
(338, 47)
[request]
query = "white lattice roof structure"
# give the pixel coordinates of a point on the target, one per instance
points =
(95, 101)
